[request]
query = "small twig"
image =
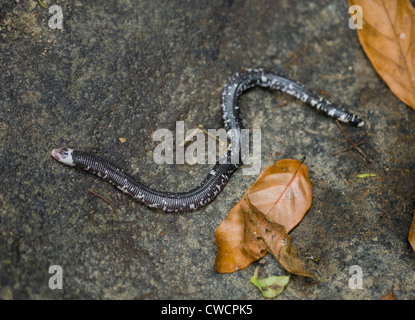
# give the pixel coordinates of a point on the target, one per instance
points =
(221, 143)
(93, 219)
(350, 148)
(354, 145)
(313, 283)
(187, 138)
(144, 296)
(202, 128)
(105, 200)
(284, 103)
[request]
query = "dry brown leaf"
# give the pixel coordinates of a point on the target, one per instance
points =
(389, 296)
(284, 192)
(232, 255)
(411, 236)
(387, 37)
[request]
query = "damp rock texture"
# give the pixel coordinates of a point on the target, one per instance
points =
(124, 69)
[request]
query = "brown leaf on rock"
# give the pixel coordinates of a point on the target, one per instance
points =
(232, 255)
(387, 37)
(275, 239)
(283, 193)
(252, 240)
(389, 296)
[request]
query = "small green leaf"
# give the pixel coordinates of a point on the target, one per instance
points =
(316, 260)
(42, 4)
(270, 287)
(366, 175)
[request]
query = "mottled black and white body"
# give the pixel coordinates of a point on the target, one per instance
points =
(219, 175)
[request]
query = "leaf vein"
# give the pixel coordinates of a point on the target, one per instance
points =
(387, 57)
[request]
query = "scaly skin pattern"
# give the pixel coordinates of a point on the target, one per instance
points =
(219, 175)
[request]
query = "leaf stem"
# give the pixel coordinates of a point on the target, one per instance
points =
(354, 145)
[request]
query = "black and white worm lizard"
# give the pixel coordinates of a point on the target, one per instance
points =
(217, 178)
